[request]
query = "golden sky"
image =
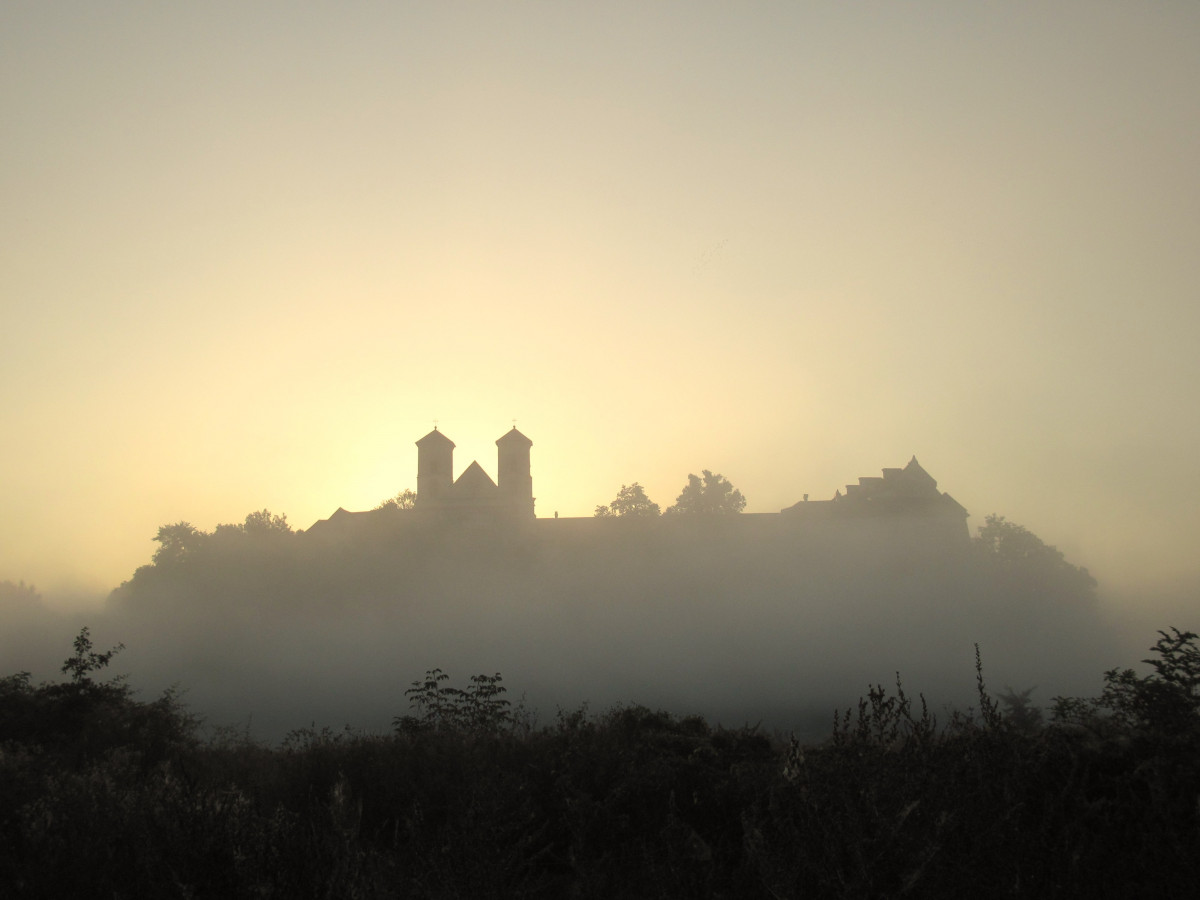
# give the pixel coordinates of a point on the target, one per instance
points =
(250, 252)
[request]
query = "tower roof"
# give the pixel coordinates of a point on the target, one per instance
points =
(513, 437)
(434, 438)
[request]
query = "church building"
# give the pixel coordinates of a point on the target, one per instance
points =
(473, 493)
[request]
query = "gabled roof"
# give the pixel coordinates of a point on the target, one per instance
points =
(913, 470)
(474, 479)
(513, 437)
(435, 437)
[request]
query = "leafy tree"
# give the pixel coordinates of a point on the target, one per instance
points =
(710, 495)
(1017, 551)
(631, 500)
(405, 500)
(179, 541)
(1010, 542)
(262, 522)
(259, 523)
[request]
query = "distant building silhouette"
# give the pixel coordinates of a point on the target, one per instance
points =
(900, 504)
(908, 491)
(474, 494)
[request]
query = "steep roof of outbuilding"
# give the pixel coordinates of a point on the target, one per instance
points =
(435, 437)
(513, 437)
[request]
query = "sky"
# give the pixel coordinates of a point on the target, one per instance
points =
(251, 252)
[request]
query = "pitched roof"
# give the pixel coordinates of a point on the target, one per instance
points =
(954, 504)
(474, 478)
(435, 437)
(513, 437)
(914, 471)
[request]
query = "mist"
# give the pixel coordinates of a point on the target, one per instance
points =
(740, 619)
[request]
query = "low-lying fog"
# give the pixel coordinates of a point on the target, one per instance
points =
(274, 634)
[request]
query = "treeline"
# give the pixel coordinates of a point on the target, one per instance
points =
(716, 616)
(105, 795)
(264, 560)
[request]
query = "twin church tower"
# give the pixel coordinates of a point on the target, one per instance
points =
(474, 492)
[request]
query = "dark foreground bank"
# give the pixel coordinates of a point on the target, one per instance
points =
(103, 795)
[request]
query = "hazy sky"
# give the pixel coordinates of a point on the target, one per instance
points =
(250, 252)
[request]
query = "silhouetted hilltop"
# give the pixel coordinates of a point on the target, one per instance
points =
(777, 616)
(902, 507)
(476, 538)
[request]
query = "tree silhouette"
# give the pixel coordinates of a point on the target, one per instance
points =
(1017, 551)
(257, 524)
(631, 500)
(262, 522)
(710, 495)
(178, 542)
(1163, 704)
(18, 594)
(86, 660)
(405, 500)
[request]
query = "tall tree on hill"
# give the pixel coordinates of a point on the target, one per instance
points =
(263, 522)
(178, 542)
(631, 500)
(1020, 555)
(710, 495)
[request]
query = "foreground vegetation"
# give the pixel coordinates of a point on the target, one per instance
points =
(104, 795)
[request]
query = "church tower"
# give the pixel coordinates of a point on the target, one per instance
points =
(512, 469)
(435, 468)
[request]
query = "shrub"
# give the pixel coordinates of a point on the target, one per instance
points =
(1162, 705)
(83, 719)
(480, 708)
